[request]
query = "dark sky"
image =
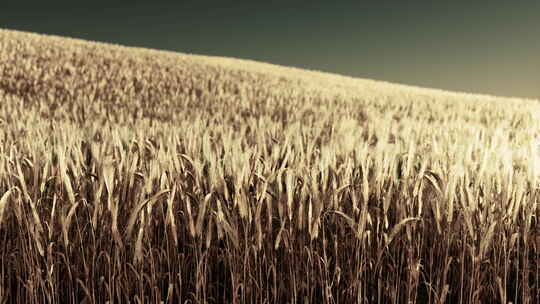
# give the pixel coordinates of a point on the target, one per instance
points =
(488, 47)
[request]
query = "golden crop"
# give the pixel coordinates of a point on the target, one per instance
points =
(136, 175)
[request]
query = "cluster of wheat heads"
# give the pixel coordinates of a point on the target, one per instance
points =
(128, 175)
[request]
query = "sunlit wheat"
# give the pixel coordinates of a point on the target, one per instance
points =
(162, 177)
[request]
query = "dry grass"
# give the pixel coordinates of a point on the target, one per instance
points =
(133, 175)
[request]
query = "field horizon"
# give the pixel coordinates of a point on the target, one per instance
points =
(146, 176)
(258, 66)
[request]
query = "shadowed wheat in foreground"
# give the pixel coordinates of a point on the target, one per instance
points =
(135, 175)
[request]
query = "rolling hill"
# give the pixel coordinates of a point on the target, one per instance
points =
(38, 66)
(131, 174)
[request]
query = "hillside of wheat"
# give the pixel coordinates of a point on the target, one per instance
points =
(139, 175)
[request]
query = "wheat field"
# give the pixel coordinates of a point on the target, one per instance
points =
(131, 175)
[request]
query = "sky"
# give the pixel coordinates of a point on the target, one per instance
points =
(489, 47)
